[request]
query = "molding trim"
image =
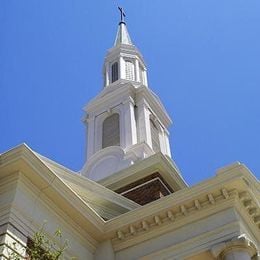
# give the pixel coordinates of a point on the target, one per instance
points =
(179, 215)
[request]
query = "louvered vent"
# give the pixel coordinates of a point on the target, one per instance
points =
(129, 70)
(111, 131)
(155, 136)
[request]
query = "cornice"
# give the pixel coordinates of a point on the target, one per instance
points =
(124, 49)
(110, 95)
(155, 223)
(235, 188)
(167, 219)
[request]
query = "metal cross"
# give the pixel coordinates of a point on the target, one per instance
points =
(122, 14)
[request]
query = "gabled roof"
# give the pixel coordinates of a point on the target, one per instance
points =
(100, 201)
(105, 202)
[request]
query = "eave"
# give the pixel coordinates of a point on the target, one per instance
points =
(234, 187)
(227, 190)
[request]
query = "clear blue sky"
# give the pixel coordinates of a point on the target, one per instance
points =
(203, 60)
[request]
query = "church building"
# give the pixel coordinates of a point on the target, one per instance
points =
(129, 200)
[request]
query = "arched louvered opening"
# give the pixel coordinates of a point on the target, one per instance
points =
(129, 70)
(155, 136)
(114, 72)
(111, 131)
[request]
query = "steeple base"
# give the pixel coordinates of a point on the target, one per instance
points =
(112, 159)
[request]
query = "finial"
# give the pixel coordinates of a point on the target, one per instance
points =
(122, 15)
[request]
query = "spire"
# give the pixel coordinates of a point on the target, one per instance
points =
(122, 36)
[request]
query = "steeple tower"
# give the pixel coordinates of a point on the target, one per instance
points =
(124, 62)
(126, 122)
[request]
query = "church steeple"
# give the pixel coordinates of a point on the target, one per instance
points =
(126, 122)
(124, 61)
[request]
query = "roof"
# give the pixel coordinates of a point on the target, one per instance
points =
(234, 187)
(102, 201)
(122, 36)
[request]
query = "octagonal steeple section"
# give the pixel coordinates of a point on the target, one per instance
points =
(122, 36)
(124, 62)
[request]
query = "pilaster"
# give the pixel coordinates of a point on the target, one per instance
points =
(104, 251)
(107, 74)
(145, 77)
(12, 242)
(122, 68)
(91, 136)
(167, 143)
(144, 129)
(137, 70)
(130, 134)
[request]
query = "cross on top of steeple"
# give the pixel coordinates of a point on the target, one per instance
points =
(122, 14)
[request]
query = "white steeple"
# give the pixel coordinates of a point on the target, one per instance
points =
(123, 61)
(126, 122)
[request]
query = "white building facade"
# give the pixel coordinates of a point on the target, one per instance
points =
(129, 201)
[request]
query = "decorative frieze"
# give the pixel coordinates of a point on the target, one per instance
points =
(157, 220)
(197, 204)
(145, 225)
(251, 207)
(211, 199)
(176, 213)
(225, 193)
(190, 207)
(132, 230)
(170, 215)
(183, 210)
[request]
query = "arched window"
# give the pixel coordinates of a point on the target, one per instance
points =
(155, 136)
(129, 70)
(114, 72)
(111, 131)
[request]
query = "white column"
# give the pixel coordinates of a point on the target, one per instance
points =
(137, 71)
(144, 128)
(161, 137)
(130, 134)
(237, 255)
(121, 68)
(167, 143)
(107, 74)
(145, 77)
(91, 136)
